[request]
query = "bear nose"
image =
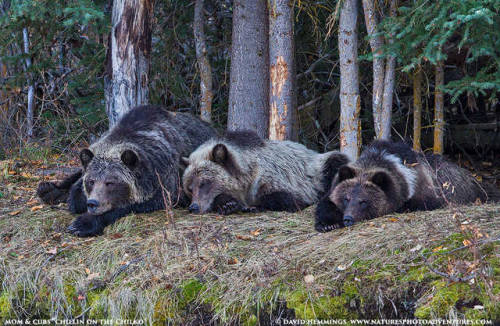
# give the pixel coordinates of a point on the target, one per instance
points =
(194, 208)
(348, 220)
(92, 204)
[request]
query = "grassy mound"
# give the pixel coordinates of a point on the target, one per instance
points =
(182, 269)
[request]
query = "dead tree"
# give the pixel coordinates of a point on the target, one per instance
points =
(249, 78)
(376, 44)
(350, 107)
(128, 57)
(282, 92)
(31, 86)
(389, 80)
(439, 109)
(206, 92)
(417, 108)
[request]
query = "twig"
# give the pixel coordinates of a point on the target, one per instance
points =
(452, 278)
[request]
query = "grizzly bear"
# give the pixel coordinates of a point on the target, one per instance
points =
(242, 172)
(129, 169)
(391, 177)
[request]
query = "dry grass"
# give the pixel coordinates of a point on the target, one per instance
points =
(237, 269)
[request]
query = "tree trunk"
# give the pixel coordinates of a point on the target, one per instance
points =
(128, 61)
(249, 88)
(390, 72)
(31, 86)
(282, 92)
(439, 109)
(350, 126)
(206, 93)
(417, 108)
(376, 43)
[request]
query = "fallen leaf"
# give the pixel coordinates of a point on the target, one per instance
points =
(309, 279)
(478, 307)
(32, 202)
(467, 242)
(255, 232)
(87, 271)
(14, 213)
(437, 248)
(232, 261)
(393, 219)
(16, 197)
(341, 267)
(52, 251)
(243, 237)
(116, 236)
(36, 208)
(81, 297)
(416, 248)
(92, 276)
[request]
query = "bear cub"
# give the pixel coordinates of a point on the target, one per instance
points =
(391, 177)
(242, 172)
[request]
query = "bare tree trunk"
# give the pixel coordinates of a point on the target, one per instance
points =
(31, 86)
(390, 72)
(249, 88)
(282, 96)
(439, 109)
(417, 108)
(128, 57)
(206, 92)
(350, 126)
(376, 43)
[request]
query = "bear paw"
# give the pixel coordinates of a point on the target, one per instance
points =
(50, 194)
(326, 228)
(229, 207)
(250, 209)
(86, 225)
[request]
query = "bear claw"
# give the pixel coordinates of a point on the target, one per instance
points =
(85, 225)
(229, 207)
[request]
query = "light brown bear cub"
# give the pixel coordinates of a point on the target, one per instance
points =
(391, 177)
(240, 172)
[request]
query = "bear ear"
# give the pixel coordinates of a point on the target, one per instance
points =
(130, 159)
(382, 180)
(346, 172)
(86, 156)
(184, 161)
(219, 154)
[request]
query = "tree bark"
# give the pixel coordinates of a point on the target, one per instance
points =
(350, 126)
(126, 84)
(282, 92)
(417, 109)
(390, 73)
(249, 80)
(31, 86)
(376, 43)
(206, 92)
(439, 109)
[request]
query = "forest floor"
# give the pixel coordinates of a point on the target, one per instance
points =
(182, 269)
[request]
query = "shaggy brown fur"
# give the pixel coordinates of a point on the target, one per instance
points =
(127, 169)
(391, 177)
(243, 172)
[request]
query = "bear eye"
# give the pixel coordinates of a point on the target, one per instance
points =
(91, 182)
(190, 188)
(363, 203)
(346, 201)
(109, 184)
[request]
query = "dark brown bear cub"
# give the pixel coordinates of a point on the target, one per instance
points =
(128, 168)
(391, 177)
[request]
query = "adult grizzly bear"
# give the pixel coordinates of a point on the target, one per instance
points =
(241, 171)
(129, 168)
(391, 177)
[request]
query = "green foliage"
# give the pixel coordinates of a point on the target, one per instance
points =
(430, 31)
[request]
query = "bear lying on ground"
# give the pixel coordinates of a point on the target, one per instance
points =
(240, 172)
(129, 169)
(391, 177)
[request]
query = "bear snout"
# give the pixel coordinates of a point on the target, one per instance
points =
(92, 205)
(194, 208)
(348, 220)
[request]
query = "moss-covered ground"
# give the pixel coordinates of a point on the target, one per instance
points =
(247, 269)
